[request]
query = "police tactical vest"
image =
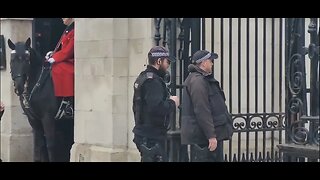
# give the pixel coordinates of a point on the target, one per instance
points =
(137, 96)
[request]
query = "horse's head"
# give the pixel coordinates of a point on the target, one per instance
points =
(20, 64)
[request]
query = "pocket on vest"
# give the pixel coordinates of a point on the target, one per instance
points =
(223, 126)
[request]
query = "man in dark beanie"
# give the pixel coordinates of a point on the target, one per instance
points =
(152, 105)
(205, 121)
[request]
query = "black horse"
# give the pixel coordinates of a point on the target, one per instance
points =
(34, 86)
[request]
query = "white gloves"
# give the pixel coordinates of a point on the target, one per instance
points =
(51, 60)
(48, 55)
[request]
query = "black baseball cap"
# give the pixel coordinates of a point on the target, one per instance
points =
(161, 52)
(202, 55)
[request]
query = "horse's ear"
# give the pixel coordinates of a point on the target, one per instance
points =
(11, 45)
(28, 43)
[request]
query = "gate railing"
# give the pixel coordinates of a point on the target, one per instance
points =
(250, 67)
(258, 125)
(302, 140)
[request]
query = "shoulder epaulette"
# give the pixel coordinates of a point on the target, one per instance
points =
(143, 77)
(149, 75)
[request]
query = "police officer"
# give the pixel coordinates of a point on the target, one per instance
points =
(152, 105)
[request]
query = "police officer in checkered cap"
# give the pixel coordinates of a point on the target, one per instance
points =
(152, 105)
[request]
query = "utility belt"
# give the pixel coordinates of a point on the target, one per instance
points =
(161, 122)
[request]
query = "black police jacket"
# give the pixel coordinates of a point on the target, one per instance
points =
(156, 107)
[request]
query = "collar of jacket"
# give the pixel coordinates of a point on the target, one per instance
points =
(154, 70)
(194, 68)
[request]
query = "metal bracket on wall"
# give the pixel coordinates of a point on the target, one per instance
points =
(2, 53)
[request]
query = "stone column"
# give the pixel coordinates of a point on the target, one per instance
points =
(109, 53)
(16, 133)
(141, 39)
(101, 53)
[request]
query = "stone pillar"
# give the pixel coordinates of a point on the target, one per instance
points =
(109, 53)
(101, 55)
(16, 133)
(141, 39)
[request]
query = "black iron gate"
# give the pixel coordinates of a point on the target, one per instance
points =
(251, 70)
(302, 92)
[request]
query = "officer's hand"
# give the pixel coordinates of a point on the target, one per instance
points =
(49, 55)
(51, 60)
(212, 144)
(176, 100)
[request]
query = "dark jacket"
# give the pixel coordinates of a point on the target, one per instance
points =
(1, 113)
(205, 114)
(156, 107)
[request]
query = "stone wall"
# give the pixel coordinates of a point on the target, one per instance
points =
(16, 133)
(110, 53)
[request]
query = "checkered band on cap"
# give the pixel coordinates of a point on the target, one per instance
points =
(160, 54)
(159, 51)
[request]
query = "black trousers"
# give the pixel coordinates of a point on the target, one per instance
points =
(151, 150)
(201, 153)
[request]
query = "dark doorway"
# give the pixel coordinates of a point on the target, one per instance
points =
(46, 33)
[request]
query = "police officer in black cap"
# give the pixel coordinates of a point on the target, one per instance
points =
(152, 105)
(205, 120)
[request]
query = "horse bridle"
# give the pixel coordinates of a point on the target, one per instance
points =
(16, 76)
(19, 75)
